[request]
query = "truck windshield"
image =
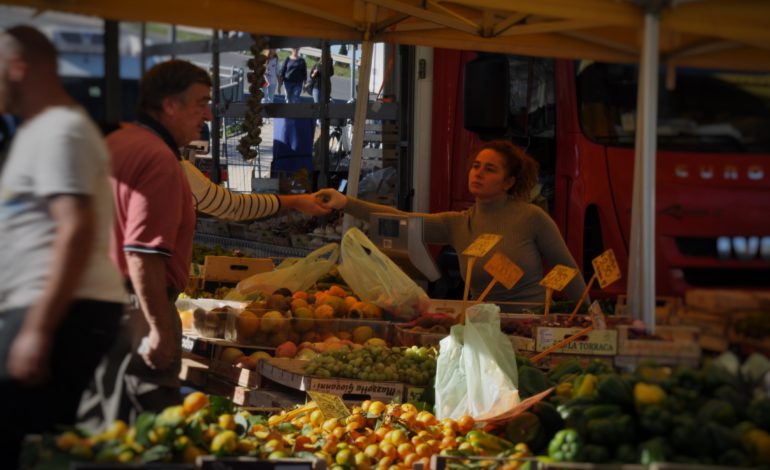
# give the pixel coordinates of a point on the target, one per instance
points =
(707, 111)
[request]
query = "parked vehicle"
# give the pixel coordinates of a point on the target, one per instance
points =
(578, 119)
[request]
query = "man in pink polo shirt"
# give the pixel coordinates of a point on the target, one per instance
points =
(152, 240)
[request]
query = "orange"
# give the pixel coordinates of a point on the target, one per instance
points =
(248, 324)
(337, 291)
(324, 311)
(194, 402)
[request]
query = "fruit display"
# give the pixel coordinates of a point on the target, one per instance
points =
(373, 435)
(303, 317)
(415, 366)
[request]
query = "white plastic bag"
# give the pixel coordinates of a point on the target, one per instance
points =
(375, 278)
(476, 370)
(296, 274)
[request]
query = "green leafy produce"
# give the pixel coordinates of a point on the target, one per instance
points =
(566, 446)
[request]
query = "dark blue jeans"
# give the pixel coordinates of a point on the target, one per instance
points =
(293, 90)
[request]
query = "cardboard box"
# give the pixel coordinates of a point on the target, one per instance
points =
(290, 373)
(232, 269)
(595, 343)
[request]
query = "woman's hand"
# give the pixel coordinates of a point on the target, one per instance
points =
(331, 198)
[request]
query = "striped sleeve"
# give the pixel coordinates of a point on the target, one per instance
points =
(217, 201)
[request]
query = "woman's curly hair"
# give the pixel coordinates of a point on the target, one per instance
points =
(517, 164)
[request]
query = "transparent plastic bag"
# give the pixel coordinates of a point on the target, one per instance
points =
(293, 274)
(375, 278)
(476, 372)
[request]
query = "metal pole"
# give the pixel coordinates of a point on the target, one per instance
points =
(359, 123)
(327, 67)
(142, 53)
(353, 73)
(112, 112)
(216, 176)
(641, 266)
(173, 41)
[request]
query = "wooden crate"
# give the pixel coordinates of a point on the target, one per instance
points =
(714, 327)
(290, 373)
(665, 308)
(680, 342)
(232, 269)
(235, 375)
(721, 301)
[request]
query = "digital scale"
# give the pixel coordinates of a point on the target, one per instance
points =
(401, 238)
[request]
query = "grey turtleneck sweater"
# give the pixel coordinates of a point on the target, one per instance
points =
(530, 237)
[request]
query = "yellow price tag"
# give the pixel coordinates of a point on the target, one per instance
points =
(330, 405)
(482, 245)
(606, 268)
(559, 277)
(505, 271)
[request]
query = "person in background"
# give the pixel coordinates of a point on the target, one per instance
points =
(152, 239)
(292, 75)
(501, 179)
(317, 74)
(271, 76)
(61, 298)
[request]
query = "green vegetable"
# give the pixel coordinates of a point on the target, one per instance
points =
(602, 411)
(611, 430)
(717, 411)
(523, 428)
(654, 450)
(734, 458)
(595, 453)
(570, 366)
(550, 419)
(599, 367)
(758, 413)
(688, 437)
(721, 438)
(656, 420)
(531, 381)
(613, 389)
(565, 446)
(626, 453)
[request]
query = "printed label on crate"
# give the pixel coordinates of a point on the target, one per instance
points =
(345, 387)
(482, 245)
(596, 342)
(414, 394)
(331, 406)
(606, 268)
(505, 271)
(195, 346)
(559, 277)
(251, 463)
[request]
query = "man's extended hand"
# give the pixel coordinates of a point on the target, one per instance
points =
(305, 203)
(331, 198)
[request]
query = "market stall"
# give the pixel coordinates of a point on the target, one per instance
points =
(338, 346)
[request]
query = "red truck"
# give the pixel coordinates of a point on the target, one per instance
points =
(577, 118)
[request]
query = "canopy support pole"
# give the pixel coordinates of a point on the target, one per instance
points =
(641, 259)
(359, 124)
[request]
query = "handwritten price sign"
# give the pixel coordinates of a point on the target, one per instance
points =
(331, 406)
(559, 277)
(482, 245)
(503, 270)
(606, 268)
